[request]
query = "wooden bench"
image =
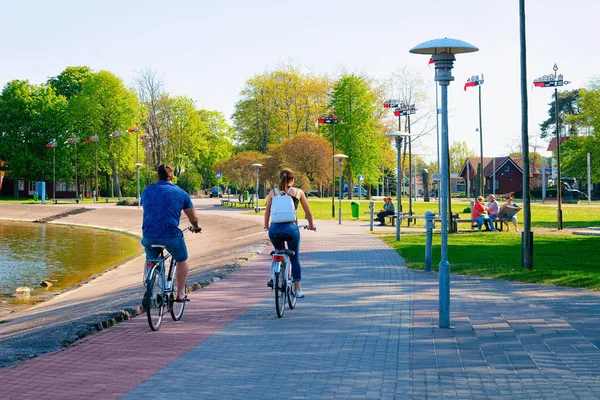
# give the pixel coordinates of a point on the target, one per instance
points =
(456, 220)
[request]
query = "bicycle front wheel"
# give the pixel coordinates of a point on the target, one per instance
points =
(280, 292)
(177, 308)
(154, 300)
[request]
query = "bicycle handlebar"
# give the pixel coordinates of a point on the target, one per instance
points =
(306, 227)
(191, 229)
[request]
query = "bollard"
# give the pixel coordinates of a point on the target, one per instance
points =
(429, 218)
(371, 210)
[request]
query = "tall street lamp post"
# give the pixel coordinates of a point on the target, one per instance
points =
(257, 166)
(443, 51)
(137, 159)
(331, 120)
(74, 140)
(52, 145)
(474, 81)
(340, 158)
(555, 81)
(96, 139)
(117, 182)
(398, 135)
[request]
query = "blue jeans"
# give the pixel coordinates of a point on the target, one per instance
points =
(291, 229)
(176, 246)
(485, 221)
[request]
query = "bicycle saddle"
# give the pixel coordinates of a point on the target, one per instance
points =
(282, 236)
(158, 246)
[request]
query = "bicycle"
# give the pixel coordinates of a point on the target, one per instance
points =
(281, 275)
(161, 293)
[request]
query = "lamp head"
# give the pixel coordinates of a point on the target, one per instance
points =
(444, 45)
(340, 156)
(256, 165)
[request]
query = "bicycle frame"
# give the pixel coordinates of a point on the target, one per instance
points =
(160, 263)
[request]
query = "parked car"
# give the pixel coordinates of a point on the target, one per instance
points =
(216, 192)
(363, 192)
(314, 193)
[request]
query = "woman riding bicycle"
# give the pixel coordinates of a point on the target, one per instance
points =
(286, 181)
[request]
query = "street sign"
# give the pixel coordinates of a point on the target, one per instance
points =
(361, 178)
(436, 177)
(218, 175)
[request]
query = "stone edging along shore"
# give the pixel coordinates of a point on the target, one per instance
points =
(69, 317)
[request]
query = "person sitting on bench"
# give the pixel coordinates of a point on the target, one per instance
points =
(509, 203)
(388, 209)
(480, 214)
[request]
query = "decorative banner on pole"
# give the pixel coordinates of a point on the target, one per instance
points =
(116, 134)
(136, 129)
(474, 81)
(332, 119)
(550, 80)
(218, 175)
(94, 138)
(404, 109)
(72, 140)
(51, 144)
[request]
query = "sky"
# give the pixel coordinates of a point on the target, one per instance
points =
(207, 50)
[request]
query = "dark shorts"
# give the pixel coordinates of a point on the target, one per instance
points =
(175, 246)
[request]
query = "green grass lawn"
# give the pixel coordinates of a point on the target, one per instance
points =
(564, 260)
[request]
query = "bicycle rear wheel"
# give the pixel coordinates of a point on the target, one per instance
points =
(292, 296)
(154, 300)
(280, 291)
(177, 308)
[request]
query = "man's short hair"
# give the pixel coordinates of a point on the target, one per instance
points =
(165, 172)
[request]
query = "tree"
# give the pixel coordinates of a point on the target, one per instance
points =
(277, 105)
(70, 82)
(219, 139)
(567, 106)
(105, 106)
(238, 169)
(459, 152)
(574, 151)
(30, 117)
(309, 155)
(152, 95)
(356, 132)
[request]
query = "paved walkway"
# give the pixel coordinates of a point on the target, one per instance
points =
(366, 330)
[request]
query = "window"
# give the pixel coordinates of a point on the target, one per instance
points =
(496, 184)
(506, 168)
(21, 185)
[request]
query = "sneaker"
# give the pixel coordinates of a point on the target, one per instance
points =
(270, 283)
(299, 293)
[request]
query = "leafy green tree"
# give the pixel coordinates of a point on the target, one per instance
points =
(103, 107)
(70, 82)
(219, 137)
(278, 105)
(567, 106)
(31, 116)
(459, 152)
(574, 151)
(356, 132)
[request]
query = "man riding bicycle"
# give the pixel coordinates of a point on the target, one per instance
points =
(163, 202)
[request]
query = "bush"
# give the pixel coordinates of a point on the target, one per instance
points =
(127, 202)
(466, 210)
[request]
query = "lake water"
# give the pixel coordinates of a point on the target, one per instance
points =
(64, 255)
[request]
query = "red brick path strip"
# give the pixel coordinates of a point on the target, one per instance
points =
(114, 361)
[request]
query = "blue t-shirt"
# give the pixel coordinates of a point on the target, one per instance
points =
(163, 203)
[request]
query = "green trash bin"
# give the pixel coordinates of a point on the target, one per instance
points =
(355, 209)
(35, 196)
